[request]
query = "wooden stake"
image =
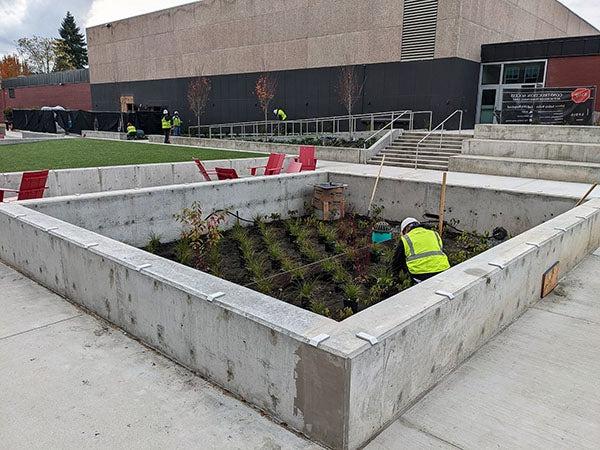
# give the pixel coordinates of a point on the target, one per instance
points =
(375, 187)
(584, 198)
(442, 204)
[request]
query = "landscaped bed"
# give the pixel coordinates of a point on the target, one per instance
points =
(330, 268)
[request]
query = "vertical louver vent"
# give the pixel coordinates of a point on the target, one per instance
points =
(419, 27)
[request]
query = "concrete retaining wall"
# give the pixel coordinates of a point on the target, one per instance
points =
(134, 216)
(422, 335)
(342, 391)
(250, 344)
(92, 134)
(576, 172)
(471, 208)
(533, 150)
(540, 133)
(113, 178)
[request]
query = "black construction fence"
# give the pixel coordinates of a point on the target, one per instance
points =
(73, 122)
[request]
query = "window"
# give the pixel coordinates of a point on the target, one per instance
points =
(524, 73)
(491, 74)
(11, 92)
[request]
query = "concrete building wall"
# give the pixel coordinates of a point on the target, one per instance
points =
(471, 23)
(243, 36)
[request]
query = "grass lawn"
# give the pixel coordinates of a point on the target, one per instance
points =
(72, 153)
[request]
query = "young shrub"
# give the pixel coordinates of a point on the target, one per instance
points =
(344, 313)
(306, 291)
(352, 291)
(318, 307)
(153, 244)
(184, 252)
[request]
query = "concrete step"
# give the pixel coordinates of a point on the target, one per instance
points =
(440, 155)
(412, 166)
(411, 158)
(422, 162)
(545, 169)
(541, 133)
(427, 145)
(424, 150)
(436, 140)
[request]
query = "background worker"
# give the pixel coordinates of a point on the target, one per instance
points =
(420, 252)
(176, 124)
(131, 131)
(280, 114)
(166, 126)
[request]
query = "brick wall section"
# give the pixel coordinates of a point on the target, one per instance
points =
(69, 96)
(575, 71)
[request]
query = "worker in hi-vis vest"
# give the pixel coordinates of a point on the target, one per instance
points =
(280, 114)
(166, 126)
(176, 124)
(420, 252)
(131, 131)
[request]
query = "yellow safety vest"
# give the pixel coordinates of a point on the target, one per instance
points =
(424, 252)
(166, 123)
(281, 114)
(131, 129)
(176, 121)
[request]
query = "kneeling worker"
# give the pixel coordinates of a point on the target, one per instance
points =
(420, 252)
(131, 131)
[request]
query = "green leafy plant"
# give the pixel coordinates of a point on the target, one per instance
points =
(352, 291)
(183, 252)
(344, 313)
(153, 244)
(319, 307)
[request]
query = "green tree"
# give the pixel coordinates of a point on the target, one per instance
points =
(70, 48)
(38, 52)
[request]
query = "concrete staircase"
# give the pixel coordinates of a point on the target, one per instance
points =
(549, 152)
(433, 154)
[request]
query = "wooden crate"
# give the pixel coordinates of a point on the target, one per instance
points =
(329, 201)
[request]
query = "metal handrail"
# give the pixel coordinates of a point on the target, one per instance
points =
(391, 124)
(458, 111)
(292, 127)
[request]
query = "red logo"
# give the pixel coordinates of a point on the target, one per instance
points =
(581, 95)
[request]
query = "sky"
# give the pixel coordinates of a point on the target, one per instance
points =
(19, 18)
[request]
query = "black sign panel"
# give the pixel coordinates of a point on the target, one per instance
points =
(548, 106)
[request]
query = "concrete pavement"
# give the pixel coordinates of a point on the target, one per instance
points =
(72, 381)
(535, 385)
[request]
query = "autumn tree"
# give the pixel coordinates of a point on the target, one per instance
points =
(38, 52)
(70, 48)
(11, 66)
(265, 90)
(349, 89)
(197, 95)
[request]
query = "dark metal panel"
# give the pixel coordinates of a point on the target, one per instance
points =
(442, 85)
(542, 48)
(45, 79)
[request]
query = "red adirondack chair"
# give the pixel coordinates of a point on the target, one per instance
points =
(294, 167)
(203, 171)
(307, 157)
(224, 173)
(33, 185)
(274, 164)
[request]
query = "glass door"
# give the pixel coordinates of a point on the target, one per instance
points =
(487, 107)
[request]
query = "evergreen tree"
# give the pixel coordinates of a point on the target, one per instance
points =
(70, 48)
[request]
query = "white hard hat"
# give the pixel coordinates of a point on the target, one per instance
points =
(165, 112)
(274, 111)
(176, 113)
(408, 221)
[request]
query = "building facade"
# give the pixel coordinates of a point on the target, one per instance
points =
(69, 89)
(410, 54)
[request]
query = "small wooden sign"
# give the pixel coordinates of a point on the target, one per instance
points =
(550, 279)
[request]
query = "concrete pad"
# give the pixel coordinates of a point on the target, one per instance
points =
(503, 183)
(81, 384)
(26, 305)
(533, 386)
(410, 436)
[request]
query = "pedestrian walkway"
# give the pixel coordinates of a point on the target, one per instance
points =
(534, 386)
(69, 380)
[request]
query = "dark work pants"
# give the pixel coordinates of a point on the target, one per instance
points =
(167, 132)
